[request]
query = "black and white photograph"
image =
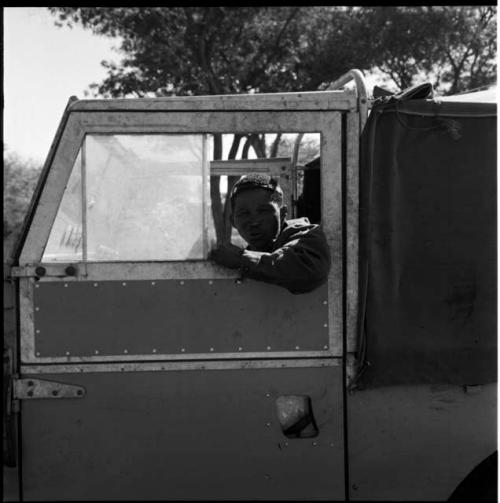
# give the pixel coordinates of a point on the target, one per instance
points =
(250, 253)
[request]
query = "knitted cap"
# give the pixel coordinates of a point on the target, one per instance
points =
(255, 181)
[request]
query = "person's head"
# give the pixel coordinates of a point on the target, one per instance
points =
(257, 208)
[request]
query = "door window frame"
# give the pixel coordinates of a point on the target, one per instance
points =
(320, 112)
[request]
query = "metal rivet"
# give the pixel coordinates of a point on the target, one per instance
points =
(325, 347)
(96, 352)
(154, 350)
(38, 331)
(95, 284)
(286, 444)
(124, 284)
(325, 325)
(210, 282)
(211, 349)
(297, 347)
(325, 302)
(182, 282)
(125, 351)
(65, 285)
(268, 394)
(37, 309)
(182, 350)
(268, 348)
(237, 282)
(268, 424)
(153, 283)
(38, 353)
(331, 444)
(37, 286)
(240, 349)
(315, 443)
(67, 353)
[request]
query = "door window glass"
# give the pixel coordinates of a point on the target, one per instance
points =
(145, 197)
(145, 200)
(65, 241)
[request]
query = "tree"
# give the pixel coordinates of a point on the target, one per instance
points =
(453, 47)
(20, 178)
(220, 50)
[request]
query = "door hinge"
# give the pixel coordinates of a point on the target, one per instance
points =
(25, 389)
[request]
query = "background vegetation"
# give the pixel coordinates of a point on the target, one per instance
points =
(219, 50)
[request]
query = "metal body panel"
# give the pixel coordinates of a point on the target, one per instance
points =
(173, 317)
(184, 435)
(156, 366)
(314, 100)
(352, 229)
(417, 443)
(104, 271)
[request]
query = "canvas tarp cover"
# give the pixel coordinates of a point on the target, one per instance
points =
(428, 244)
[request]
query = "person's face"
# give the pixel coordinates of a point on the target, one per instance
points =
(257, 218)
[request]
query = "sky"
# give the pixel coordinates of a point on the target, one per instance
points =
(43, 66)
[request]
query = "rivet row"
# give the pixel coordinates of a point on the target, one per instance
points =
(183, 350)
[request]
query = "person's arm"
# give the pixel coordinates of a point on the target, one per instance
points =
(300, 264)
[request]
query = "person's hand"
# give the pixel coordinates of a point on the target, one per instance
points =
(227, 255)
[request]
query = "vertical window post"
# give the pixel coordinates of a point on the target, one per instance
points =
(206, 195)
(83, 167)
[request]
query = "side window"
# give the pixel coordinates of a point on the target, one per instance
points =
(145, 199)
(65, 240)
(294, 158)
(164, 197)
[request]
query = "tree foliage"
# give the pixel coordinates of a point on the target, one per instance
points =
(218, 50)
(453, 47)
(210, 50)
(20, 178)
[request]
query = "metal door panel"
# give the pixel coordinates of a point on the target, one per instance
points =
(210, 434)
(176, 316)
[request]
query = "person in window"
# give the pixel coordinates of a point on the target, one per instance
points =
(290, 253)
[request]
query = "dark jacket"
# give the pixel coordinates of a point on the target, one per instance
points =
(299, 259)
